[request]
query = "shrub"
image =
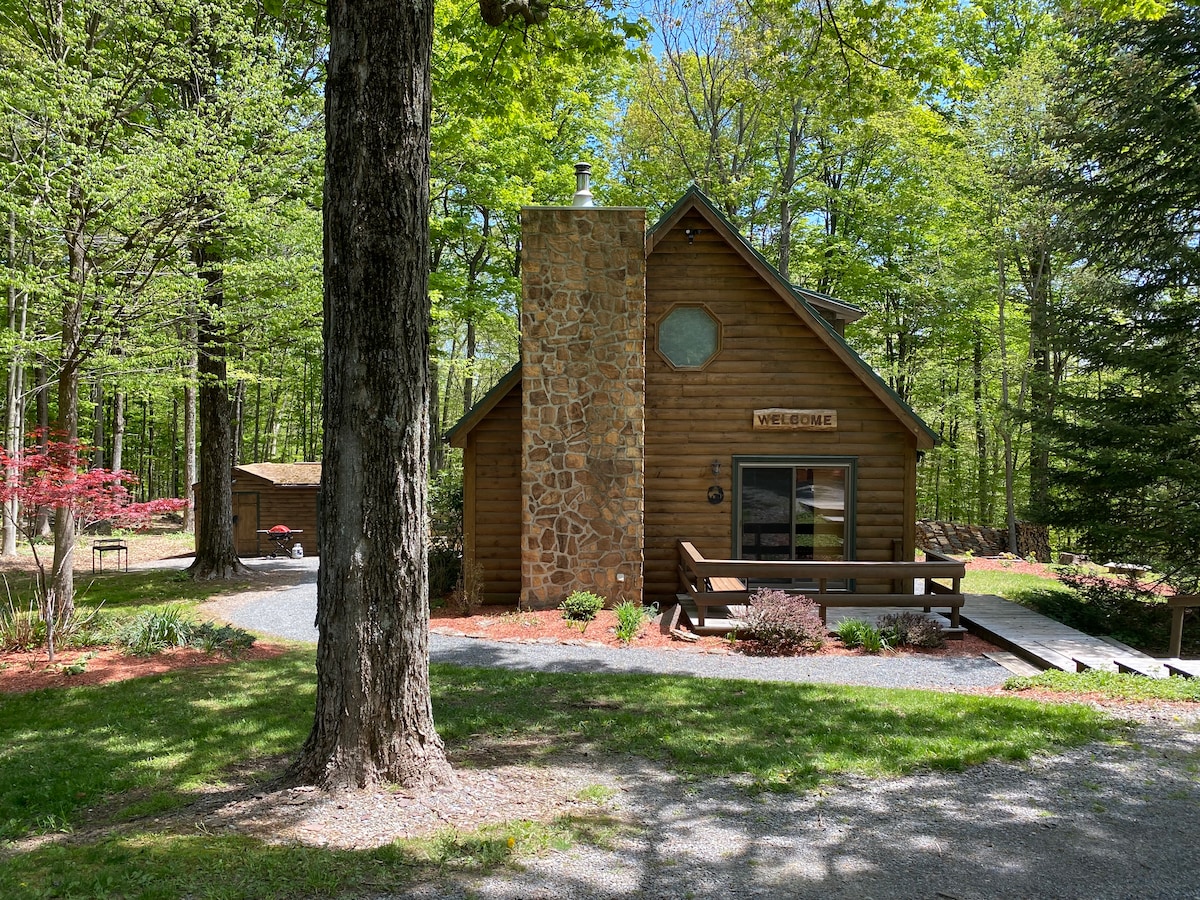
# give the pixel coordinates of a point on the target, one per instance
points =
(911, 629)
(468, 593)
(630, 617)
(857, 633)
(779, 622)
(227, 640)
(581, 606)
(156, 630)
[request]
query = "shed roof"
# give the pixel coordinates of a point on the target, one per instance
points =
(304, 474)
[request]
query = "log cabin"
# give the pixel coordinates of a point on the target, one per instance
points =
(672, 386)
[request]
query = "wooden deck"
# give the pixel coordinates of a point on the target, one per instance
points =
(721, 620)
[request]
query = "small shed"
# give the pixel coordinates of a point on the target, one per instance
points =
(269, 494)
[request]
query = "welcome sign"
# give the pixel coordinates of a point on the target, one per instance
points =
(776, 419)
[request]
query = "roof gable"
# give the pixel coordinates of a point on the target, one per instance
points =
(802, 303)
(457, 436)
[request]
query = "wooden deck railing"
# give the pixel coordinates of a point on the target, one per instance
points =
(721, 582)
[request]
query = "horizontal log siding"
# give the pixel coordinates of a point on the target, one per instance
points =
(492, 499)
(769, 358)
(293, 506)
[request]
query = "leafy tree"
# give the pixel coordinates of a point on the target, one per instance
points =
(1128, 469)
(57, 475)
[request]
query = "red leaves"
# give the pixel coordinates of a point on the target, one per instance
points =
(56, 476)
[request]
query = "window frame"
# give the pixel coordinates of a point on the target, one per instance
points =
(666, 315)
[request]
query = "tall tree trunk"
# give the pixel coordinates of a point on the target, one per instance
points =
(61, 599)
(374, 717)
(983, 479)
(98, 422)
(14, 405)
(189, 453)
(216, 552)
(42, 527)
(118, 430)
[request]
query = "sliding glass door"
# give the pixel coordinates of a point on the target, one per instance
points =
(793, 508)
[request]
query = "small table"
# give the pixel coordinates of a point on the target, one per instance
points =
(281, 539)
(109, 545)
(1178, 604)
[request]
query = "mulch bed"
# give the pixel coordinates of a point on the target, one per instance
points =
(21, 672)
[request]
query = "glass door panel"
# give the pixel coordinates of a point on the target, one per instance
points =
(788, 511)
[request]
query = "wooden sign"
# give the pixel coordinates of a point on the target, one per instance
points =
(795, 420)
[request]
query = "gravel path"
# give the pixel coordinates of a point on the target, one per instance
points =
(290, 613)
(1114, 820)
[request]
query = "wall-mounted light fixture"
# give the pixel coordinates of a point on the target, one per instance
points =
(716, 493)
(691, 234)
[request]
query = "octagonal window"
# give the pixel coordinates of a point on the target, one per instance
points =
(689, 336)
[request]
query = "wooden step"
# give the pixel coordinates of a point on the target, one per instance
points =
(1013, 663)
(1187, 668)
(1141, 665)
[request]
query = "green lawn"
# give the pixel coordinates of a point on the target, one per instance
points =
(1010, 585)
(153, 744)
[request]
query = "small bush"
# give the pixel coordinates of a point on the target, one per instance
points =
(156, 630)
(468, 593)
(630, 617)
(211, 638)
(779, 622)
(581, 606)
(857, 633)
(21, 629)
(911, 629)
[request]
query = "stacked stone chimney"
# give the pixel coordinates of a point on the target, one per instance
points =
(583, 353)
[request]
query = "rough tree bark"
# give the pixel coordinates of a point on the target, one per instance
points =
(216, 554)
(374, 717)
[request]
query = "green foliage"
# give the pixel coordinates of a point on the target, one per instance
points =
(630, 616)
(780, 622)
(1128, 464)
(1113, 685)
(581, 606)
(858, 633)
(911, 629)
(155, 630)
(226, 640)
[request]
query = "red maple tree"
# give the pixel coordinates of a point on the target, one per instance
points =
(55, 476)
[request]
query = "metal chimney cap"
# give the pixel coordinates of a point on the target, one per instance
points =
(583, 178)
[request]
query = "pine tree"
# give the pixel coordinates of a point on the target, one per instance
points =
(1128, 458)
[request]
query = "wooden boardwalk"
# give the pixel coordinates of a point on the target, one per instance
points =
(1050, 644)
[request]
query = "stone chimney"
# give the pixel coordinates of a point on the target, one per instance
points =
(583, 353)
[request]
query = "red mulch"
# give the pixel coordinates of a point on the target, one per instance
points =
(21, 672)
(549, 626)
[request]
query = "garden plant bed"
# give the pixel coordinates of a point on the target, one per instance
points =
(548, 626)
(21, 672)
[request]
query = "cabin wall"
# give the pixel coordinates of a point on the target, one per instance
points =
(768, 358)
(492, 501)
(272, 504)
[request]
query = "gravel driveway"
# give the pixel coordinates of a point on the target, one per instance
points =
(1112, 820)
(290, 613)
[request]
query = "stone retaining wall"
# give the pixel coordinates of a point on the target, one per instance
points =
(948, 537)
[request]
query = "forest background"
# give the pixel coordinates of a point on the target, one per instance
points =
(1009, 190)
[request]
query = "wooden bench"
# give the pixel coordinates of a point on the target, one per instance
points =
(723, 582)
(109, 545)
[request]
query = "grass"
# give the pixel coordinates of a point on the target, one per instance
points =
(1111, 685)
(1010, 585)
